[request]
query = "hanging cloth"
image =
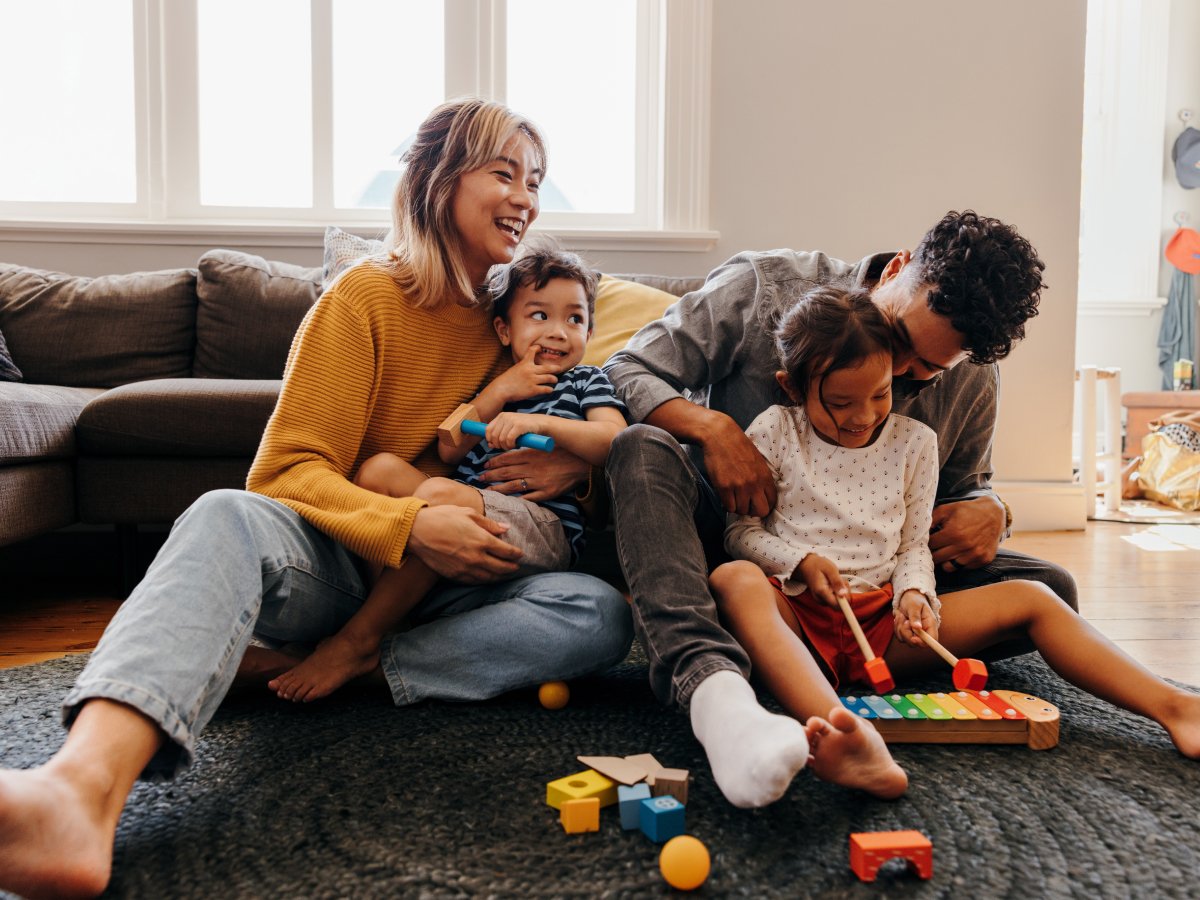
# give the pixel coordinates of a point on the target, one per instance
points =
(1177, 336)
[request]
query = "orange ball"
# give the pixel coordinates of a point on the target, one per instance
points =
(554, 694)
(684, 862)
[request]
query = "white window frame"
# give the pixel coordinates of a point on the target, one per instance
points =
(672, 169)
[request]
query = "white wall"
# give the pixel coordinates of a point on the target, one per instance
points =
(851, 128)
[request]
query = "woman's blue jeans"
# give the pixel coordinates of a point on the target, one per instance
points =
(237, 564)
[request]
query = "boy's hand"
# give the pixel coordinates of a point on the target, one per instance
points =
(522, 380)
(823, 579)
(913, 612)
(503, 431)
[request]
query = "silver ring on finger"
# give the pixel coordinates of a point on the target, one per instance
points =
(524, 485)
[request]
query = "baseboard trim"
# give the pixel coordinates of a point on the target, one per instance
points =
(1044, 505)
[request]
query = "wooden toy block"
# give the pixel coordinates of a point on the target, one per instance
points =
(588, 783)
(670, 782)
(624, 770)
(578, 816)
(629, 798)
(451, 428)
(961, 717)
(647, 762)
(871, 849)
(661, 818)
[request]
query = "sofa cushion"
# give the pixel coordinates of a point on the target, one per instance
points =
(622, 307)
(178, 417)
(249, 311)
(98, 332)
(37, 421)
(8, 368)
(342, 250)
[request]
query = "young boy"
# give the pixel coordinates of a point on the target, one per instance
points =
(543, 304)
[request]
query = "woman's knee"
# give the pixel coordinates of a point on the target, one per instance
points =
(608, 620)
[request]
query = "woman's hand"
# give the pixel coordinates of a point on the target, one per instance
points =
(503, 431)
(914, 613)
(823, 579)
(535, 474)
(460, 544)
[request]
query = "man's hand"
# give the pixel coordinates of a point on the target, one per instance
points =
(460, 544)
(966, 534)
(535, 474)
(823, 579)
(914, 612)
(738, 472)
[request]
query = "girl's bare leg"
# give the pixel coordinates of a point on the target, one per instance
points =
(975, 619)
(58, 821)
(354, 651)
(844, 749)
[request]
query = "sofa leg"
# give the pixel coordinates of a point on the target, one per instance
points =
(127, 536)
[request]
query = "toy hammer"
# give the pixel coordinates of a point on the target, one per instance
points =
(464, 420)
(877, 670)
(969, 674)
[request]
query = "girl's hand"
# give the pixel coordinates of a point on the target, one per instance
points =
(521, 381)
(823, 579)
(914, 613)
(503, 431)
(460, 544)
(535, 474)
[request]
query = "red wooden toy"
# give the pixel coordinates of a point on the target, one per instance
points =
(871, 849)
(969, 674)
(877, 670)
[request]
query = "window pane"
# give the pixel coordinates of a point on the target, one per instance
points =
(255, 98)
(572, 68)
(388, 73)
(67, 76)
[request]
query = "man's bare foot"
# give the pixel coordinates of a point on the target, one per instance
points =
(261, 664)
(847, 751)
(53, 842)
(336, 661)
(1182, 721)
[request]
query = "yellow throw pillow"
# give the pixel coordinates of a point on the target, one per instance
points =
(622, 307)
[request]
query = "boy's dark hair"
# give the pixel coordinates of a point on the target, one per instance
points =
(831, 327)
(536, 268)
(984, 277)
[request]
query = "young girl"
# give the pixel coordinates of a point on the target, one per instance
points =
(386, 354)
(856, 487)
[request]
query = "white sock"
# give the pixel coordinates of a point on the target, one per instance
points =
(754, 754)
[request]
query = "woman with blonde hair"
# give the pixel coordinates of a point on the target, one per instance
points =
(390, 350)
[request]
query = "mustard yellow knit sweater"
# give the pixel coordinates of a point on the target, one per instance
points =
(368, 372)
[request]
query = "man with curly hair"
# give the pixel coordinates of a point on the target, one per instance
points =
(695, 379)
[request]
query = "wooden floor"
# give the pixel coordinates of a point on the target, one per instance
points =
(1137, 584)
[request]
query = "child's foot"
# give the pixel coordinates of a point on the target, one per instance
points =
(848, 752)
(52, 842)
(336, 660)
(754, 754)
(1182, 722)
(261, 664)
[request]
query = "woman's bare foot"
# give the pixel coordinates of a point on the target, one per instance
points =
(849, 752)
(261, 664)
(1182, 721)
(337, 660)
(53, 841)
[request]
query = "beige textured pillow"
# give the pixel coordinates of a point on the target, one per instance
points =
(622, 308)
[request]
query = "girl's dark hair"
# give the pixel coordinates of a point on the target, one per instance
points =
(536, 267)
(831, 327)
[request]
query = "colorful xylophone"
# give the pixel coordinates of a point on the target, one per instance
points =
(960, 717)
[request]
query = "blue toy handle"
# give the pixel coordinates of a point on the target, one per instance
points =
(532, 441)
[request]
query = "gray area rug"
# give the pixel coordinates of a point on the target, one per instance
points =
(354, 798)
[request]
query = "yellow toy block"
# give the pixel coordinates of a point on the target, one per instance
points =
(578, 816)
(588, 783)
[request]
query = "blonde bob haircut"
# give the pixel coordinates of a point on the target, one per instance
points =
(459, 136)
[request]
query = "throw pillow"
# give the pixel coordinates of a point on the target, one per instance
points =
(8, 368)
(622, 307)
(342, 250)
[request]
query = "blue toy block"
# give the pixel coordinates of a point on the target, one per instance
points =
(631, 799)
(661, 818)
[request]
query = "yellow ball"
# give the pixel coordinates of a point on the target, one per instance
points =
(684, 862)
(554, 694)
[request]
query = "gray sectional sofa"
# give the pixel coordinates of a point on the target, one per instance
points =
(140, 392)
